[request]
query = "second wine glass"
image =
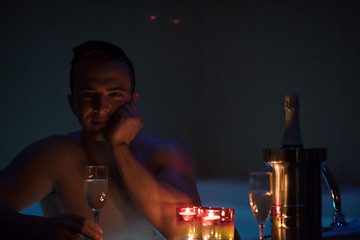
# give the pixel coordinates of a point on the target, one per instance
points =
(260, 196)
(96, 189)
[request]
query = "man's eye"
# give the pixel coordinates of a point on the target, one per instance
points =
(115, 94)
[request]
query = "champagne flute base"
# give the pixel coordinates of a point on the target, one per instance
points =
(96, 213)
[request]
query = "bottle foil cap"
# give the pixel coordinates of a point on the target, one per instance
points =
(291, 102)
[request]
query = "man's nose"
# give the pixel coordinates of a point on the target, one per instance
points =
(101, 104)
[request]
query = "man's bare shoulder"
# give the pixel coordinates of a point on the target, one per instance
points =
(54, 142)
(36, 170)
(163, 151)
(49, 149)
(173, 162)
(157, 144)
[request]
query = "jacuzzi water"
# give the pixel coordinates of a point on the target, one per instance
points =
(234, 194)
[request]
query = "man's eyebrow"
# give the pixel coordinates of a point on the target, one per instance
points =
(116, 89)
(108, 89)
(85, 89)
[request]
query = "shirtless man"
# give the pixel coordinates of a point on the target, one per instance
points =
(148, 177)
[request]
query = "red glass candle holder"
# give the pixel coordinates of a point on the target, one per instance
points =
(218, 223)
(188, 223)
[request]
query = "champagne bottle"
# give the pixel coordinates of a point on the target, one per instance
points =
(292, 139)
(292, 136)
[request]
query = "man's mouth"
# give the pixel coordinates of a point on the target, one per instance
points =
(99, 122)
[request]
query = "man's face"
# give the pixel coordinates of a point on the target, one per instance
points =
(100, 88)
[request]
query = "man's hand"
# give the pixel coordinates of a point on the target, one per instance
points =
(69, 226)
(126, 123)
(62, 227)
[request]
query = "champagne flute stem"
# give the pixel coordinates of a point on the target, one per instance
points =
(261, 231)
(96, 215)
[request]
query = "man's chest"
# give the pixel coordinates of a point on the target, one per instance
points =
(70, 190)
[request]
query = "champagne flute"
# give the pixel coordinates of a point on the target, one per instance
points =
(260, 196)
(96, 189)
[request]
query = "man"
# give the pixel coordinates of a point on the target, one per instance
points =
(148, 177)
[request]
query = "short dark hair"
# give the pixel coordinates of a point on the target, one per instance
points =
(113, 52)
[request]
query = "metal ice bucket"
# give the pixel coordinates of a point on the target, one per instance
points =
(296, 207)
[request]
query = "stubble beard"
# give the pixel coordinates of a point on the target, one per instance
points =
(96, 136)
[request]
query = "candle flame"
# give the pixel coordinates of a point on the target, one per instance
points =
(211, 216)
(187, 215)
(211, 213)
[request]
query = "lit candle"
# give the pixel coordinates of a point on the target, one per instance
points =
(211, 216)
(226, 228)
(218, 223)
(187, 215)
(188, 223)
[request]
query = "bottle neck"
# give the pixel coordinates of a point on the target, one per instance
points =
(292, 136)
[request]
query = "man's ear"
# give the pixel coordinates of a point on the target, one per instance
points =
(71, 103)
(135, 96)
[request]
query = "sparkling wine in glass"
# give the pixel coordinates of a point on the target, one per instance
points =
(96, 189)
(260, 196)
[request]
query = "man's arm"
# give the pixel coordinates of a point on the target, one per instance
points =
(29, 178)
(156, 195)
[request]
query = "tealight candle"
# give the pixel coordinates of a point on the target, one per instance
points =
(188, 223)
(187, 215)
(218, 223)
(211, 216)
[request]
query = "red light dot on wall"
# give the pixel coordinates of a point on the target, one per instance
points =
(152, 17)
(176, 21)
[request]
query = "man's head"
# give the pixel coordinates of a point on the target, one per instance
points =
(110, 51)
(102, 81)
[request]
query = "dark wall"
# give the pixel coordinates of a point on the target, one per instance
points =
(256, 52)
(216, 80)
